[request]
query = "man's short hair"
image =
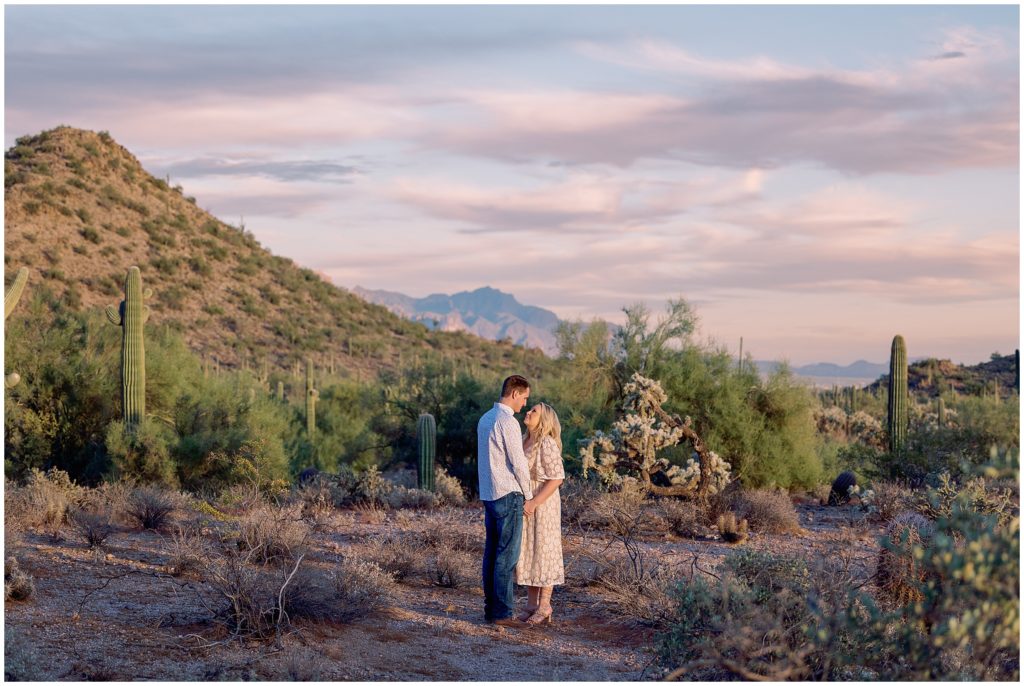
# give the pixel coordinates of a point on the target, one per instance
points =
(512, 384)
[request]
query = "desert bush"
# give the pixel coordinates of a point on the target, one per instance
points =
(448, 488)
(315, 502)
(886, 499)
(747, 624)
(768, 511)
(188, 550)
(577, 497)
(768, 574)
(684, 518)
(272, 534)
(963, 625)
(150, 507)
(253, 596)
(22, 661)
(142, 452)
(717, 631)
(44, 500)
(92, 526)
(18, 584)
(400, 556)
(619, 511)
(400, 496)
(448, 566)
(637, 584)
(353, 588)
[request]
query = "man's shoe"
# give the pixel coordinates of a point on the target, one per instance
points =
(508, 622)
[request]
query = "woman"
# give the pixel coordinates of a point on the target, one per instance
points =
(540, 565)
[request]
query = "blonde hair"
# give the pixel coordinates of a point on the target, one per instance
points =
(548, 425)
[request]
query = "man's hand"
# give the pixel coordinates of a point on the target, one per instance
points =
(529, 506)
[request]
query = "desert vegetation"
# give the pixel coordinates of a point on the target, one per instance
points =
(284, 511)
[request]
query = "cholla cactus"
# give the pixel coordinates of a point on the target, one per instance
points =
(634, 441)
(831, 420)
(866, 429)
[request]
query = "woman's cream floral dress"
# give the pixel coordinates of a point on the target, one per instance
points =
(540, 557)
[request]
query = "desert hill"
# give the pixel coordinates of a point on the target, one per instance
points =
(80, 209)
(932, 376)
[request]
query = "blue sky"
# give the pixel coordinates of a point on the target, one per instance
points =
(814, 179)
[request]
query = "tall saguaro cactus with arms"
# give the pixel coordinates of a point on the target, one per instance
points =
(131, 315)
(899, 396)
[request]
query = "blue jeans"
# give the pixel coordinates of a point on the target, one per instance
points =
(503, 521)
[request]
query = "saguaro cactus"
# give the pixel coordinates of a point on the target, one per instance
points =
(280, 391)
(13, 294)
(11, 297)
(311, 396)
(426, 436)
(898, 396)
(940, 411)
(131, 316)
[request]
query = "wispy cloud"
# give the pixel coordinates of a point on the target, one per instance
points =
(282, 170)
(916, 117)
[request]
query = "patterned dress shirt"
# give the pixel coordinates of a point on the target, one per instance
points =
(501, 464)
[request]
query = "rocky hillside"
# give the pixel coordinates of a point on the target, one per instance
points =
(932, 376)
(486, 312)
(80, 210)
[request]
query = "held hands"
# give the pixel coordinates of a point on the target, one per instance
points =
(529, 507)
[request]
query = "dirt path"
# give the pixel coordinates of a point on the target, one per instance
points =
(116, 616)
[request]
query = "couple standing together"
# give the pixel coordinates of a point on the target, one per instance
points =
(519, 478)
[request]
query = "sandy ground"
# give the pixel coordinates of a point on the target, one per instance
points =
(114, 614)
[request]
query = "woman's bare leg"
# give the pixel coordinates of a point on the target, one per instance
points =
(532, 599)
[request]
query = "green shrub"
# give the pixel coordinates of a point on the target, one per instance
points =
(143, 454)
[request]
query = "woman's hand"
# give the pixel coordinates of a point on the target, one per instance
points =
(530, 506)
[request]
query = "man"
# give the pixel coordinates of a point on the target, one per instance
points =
(504, 488)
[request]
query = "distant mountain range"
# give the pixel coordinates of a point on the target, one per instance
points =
(486, 312)
(861, 369)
